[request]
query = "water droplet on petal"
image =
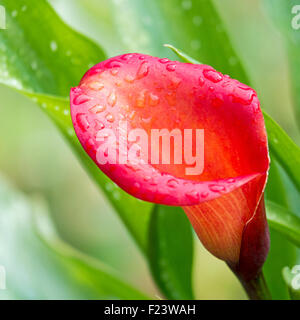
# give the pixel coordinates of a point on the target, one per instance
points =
(131, 115)
(171, 67)
(193, 196)
(96, 85)
(243, 95)
(112, 99)
(126, 56)
(164, 60)
(110, 117)
(129, 78)
(204, 194)
(153, 100)
(98, 125)
(201, 81)
(212, 75)
(216, 188)
(80, 99)
(82, 121)
(113, 64)
(140, 101)
(172, 183)
(97, 108)
(114, 71)
(143, 70)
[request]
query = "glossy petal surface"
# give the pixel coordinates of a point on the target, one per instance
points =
(224, 200)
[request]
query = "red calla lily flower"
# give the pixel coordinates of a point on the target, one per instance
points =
(137, 96)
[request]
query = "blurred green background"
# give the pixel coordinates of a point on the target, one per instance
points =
(35, 158)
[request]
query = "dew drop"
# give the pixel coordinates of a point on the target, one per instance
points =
(164, 60)
(172, 183)
(112, 99)
(143, 70)
(153, 100)
(53, 45)
(34, 65)
(197, 20)
(113, 64)
(216, 188)
(114, 71)
(82, 121)
(80, 99)
(201, 81)
(186, 4)
(129, 78)
(116, 195)
(193, 195)
(212, 75)
(140, 101)
(131, 115)
(96, 85)
(146, 120)
(243, 95)
(171, 67)
(110, 117)
(126, 56)
(97, 108)
(204, 194)
(137, 185)
(98, 125)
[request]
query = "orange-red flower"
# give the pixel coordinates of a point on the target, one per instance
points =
(223, 197)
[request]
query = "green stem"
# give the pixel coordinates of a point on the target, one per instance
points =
(257, 288)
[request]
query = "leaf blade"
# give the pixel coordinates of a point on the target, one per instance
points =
(35, 57)
(31, 260)
(284, 222)
(171, 251)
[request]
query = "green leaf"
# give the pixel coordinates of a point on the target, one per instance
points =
(292, 279)
(282, 251)
(39, 265)
(283, 221)
(39, 52)
(286, 152)
(192, 25)
(287, 20)
(171, 251)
